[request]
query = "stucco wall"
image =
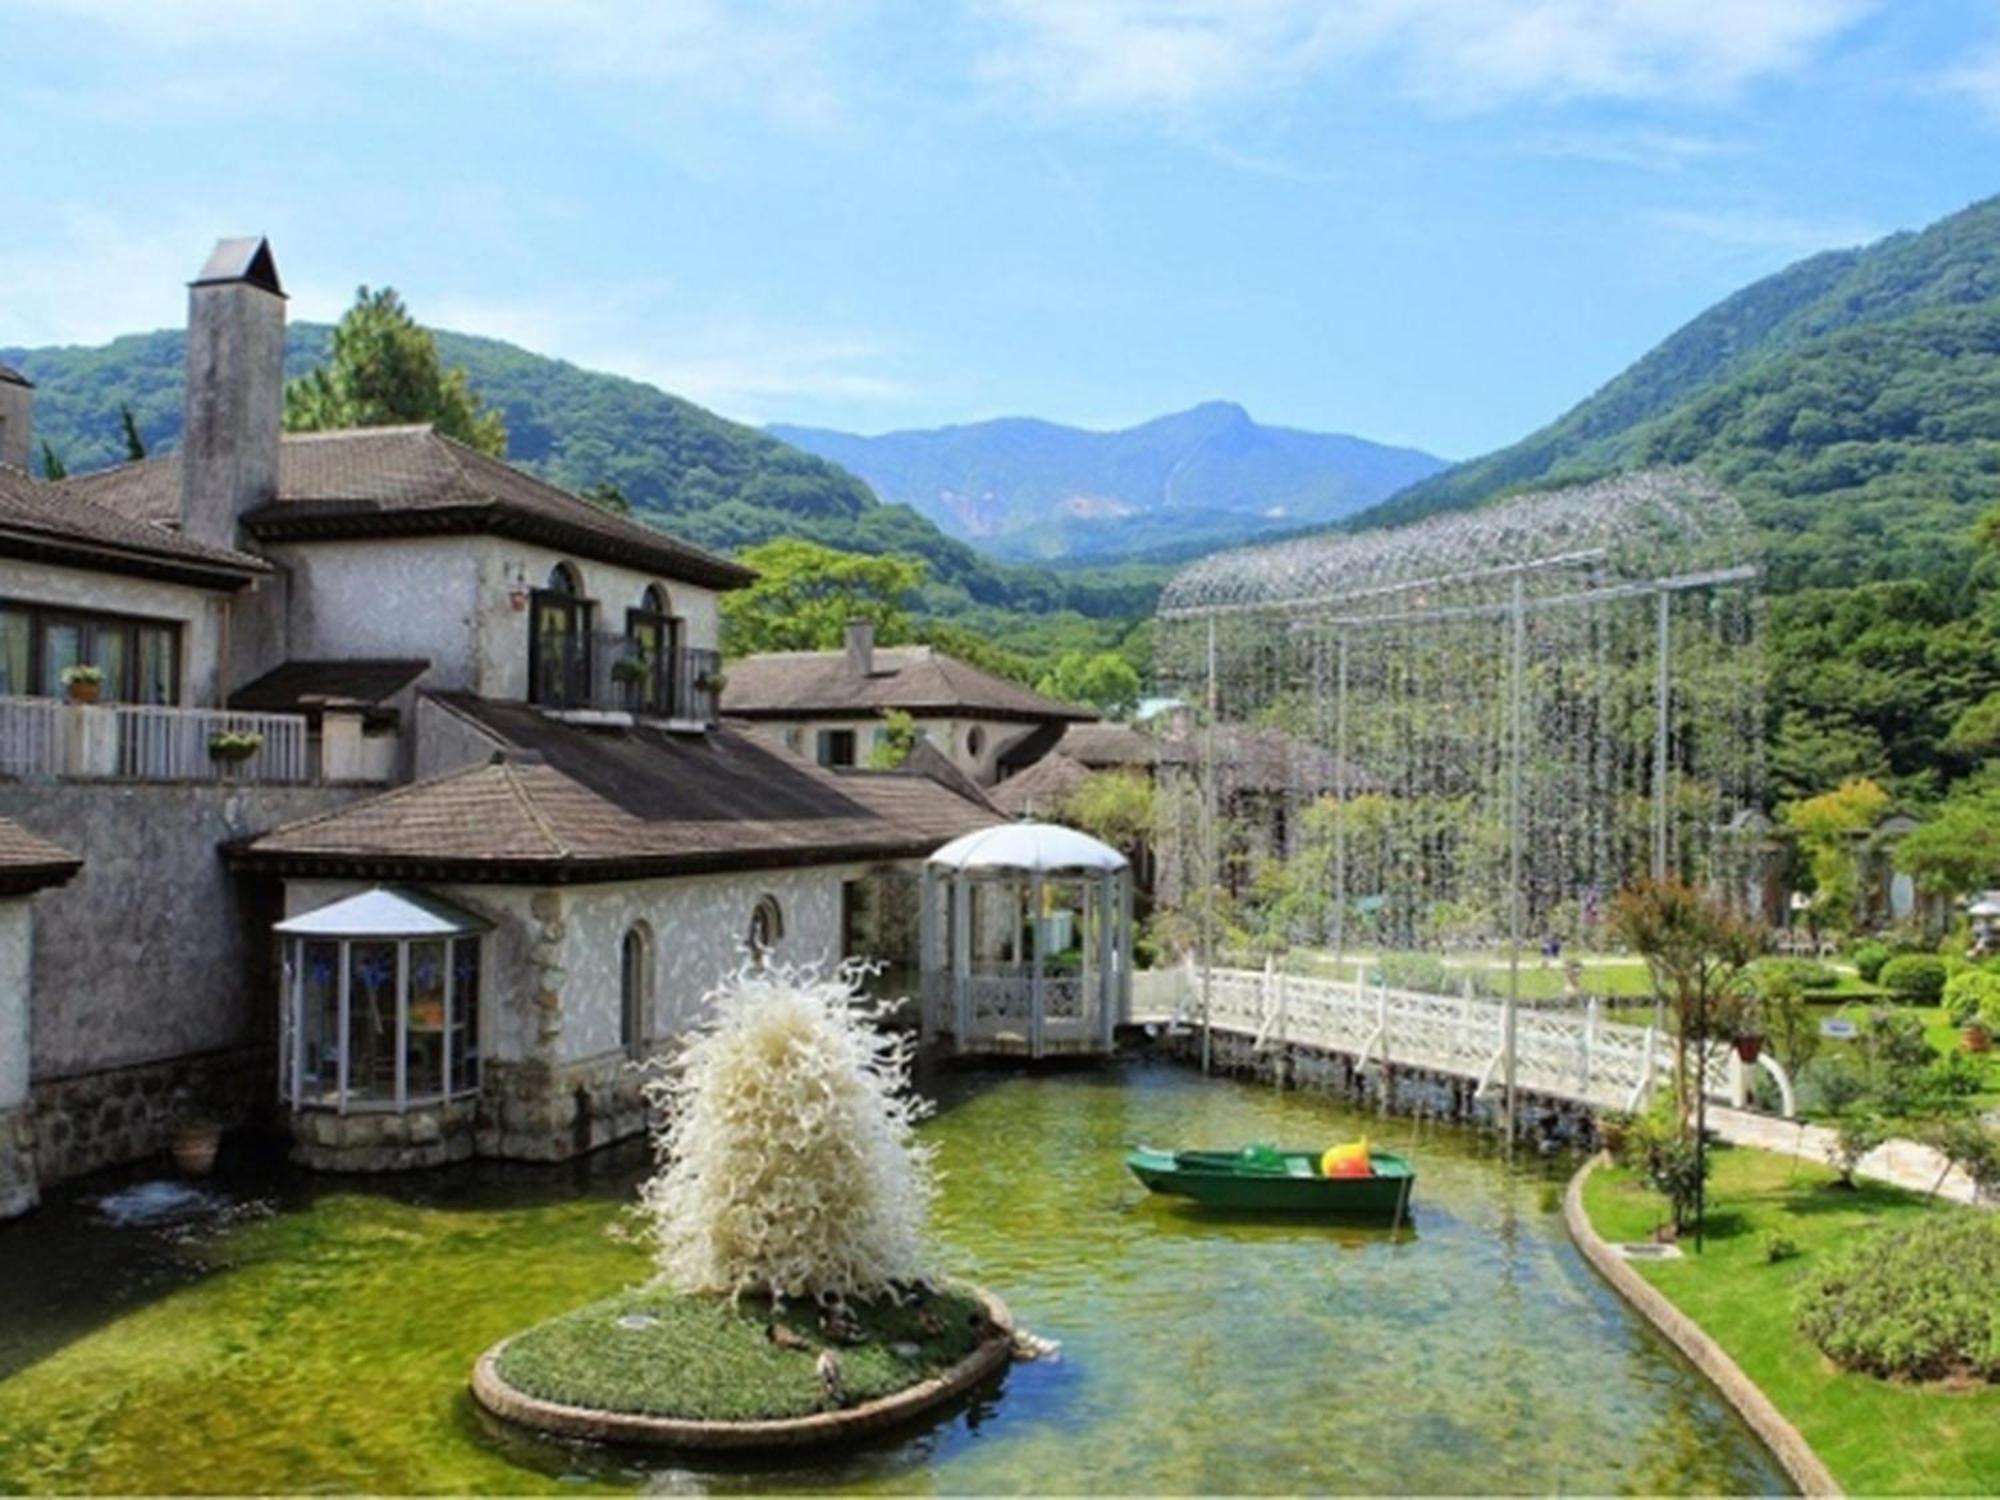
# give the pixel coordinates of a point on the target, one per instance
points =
(16, 954)
(502, 631)
(154, 950)
(387, 597)
(446, 740)
(200, 613)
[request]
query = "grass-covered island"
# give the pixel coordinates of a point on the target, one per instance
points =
(796, 1300)
(1783, 1236)
(660, 1353)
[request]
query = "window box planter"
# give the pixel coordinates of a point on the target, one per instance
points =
(82, 683)
(233, 749)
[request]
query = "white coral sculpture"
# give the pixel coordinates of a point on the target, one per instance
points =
(789, 1163)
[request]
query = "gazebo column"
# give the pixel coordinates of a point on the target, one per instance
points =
(961, 960)
(1034, 928)
(1106, 984)
(929, 970)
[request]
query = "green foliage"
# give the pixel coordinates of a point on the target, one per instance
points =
(1827, 827)
(1105, 680)
(1779, 1246)
(1832, 1082)
(1662, 1150)
(1971, 996)
(1116, 806)
(607, 496)
(135, 446)
(1976, 732)
(382, 369)
(1854, 1138)
(1768, 974)
(1697, 949)
(1415, 971)
(893, 742)
(1972, 1146)
(1869, 957)
(806, 594)
(1914, 1302)
(53, 467)
(1914, 978)
(1957, 849)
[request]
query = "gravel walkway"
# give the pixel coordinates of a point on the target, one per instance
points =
(1903, 1163)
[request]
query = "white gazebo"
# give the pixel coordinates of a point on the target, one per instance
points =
(1027, 941)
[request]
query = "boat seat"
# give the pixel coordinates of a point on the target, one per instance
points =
(1298, 1166)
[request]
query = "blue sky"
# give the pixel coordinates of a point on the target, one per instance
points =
(1429, 221)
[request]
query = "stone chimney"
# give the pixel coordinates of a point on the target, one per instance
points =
(235, 390)
(861, 647)
(17, 409)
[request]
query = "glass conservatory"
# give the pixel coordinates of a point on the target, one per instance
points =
(381, 1003)
(1027, 941)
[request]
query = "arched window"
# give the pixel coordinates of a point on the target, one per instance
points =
(649, 628)
(635, 977)
(767, 929)
(975, 741)
(559, 641)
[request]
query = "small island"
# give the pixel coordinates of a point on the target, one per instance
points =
(796, 1302)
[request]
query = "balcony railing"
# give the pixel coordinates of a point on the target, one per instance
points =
(605, 672)
(146, 742)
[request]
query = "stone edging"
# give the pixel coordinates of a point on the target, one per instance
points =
(1784, 1440)
(504, 1400)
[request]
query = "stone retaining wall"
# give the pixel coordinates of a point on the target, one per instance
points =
(1784, 1440)
(93, 1120)
(19, 1190)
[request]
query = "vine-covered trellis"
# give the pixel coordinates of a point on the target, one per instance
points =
(1493, 719)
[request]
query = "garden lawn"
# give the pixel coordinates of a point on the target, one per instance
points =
(708, 1359)
(1878, 1437)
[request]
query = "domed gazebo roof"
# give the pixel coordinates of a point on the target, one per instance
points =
(1028, 848)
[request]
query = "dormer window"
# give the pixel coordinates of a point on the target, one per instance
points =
(559, 620)
(654, 637)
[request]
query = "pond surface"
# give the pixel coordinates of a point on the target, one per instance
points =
(291, 1333)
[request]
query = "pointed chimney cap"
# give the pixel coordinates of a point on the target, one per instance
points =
(247, 259)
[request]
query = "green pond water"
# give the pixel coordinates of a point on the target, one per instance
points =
(295, 1333)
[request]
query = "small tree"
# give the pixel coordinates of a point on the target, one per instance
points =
(1105, 680)
(128, 429)
(1855, 1137)
(806, 594)
(1697, 951)
(382, 369)
(897, 740)
(1827, 827)
(789, 1164)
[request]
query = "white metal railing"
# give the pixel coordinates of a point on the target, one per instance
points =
(146, 742)
(1566, 1055)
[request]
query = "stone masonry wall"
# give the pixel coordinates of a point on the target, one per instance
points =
(93, 1120)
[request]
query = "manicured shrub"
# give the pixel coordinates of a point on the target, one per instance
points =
(1915, 1303)
(1779, 1246)
(1830, 1082)
(1424, 972)
(1914, 978)
(1856, 1137)
(1972, 995)
(1769, 974)
(1869, 957)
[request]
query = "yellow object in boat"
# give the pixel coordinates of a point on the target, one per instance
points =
(1348, 1159)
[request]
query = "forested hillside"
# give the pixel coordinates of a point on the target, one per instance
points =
(711, 480)
(1852, 401)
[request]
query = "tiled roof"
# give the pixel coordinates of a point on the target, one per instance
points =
(54, 521)
(11, 376)
(29, 862)
(1042, 789)
(310, 686)
(377, 481)
(916, 679)
(1267, 760)
(566, 803)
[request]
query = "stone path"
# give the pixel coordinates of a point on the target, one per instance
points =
(1902, 1163)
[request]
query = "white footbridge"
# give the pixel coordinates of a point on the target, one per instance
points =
(1570, 1053)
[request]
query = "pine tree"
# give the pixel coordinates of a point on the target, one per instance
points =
(384, 370)
(135, 446)
(52, 465)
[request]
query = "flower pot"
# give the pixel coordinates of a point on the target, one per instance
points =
(1976, 1038)
(84, 692)
(1749, 1046)
(195, 1146)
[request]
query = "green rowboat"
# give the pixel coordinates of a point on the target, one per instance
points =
(1268, 1180)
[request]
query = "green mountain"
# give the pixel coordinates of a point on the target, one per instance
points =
(1852, 401)
(713, 481)
(1175, 486)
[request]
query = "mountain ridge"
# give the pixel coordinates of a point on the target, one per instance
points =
(1031, 489)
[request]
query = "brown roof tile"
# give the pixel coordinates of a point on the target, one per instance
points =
(51, 520)
(916, 679)
(310, 686)
(29, 862)
(376, 481)
(575, 804)
(1042, 789)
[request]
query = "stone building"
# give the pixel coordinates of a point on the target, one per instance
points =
(831, 705)
(382, 678)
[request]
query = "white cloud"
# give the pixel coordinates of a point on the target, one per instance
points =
(1763, 230)
(1173, 56)
(1663, 151)
(776, 58)
(1978, 80)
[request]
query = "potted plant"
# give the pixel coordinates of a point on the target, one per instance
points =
(233, 747)
(1749, 1044)
(630, 671)
(197, 1137)
(712, 682)
(83, 682)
